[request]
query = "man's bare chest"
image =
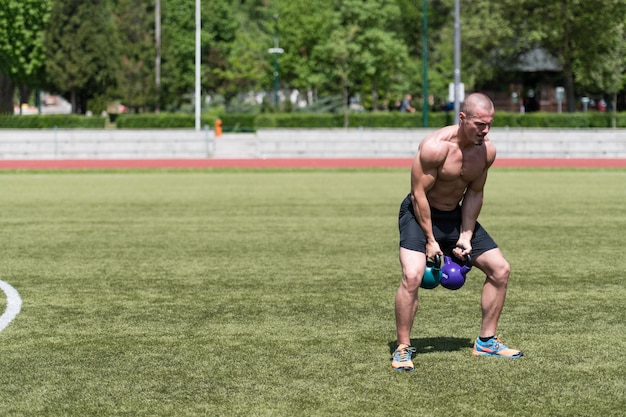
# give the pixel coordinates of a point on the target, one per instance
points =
(460, 167)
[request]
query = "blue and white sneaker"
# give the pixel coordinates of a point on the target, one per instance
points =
(402, 358)
(495, 347)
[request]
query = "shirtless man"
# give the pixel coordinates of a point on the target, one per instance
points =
(440, 216)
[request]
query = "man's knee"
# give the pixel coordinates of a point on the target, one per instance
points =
(495, 266)
(499, 273)
(502, 272)
(413, 264)
(411, 280)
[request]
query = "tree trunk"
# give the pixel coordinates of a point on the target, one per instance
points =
(7, 88)
(614, 111)
(374, 96)
(24, 95)
(568, 64)
(569, 89)
(346, 99)
(74, 101)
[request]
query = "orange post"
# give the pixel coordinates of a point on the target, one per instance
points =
(218, 128)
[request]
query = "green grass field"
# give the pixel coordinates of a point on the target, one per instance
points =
(270, 293)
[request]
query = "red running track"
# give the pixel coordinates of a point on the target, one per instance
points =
(287, 163)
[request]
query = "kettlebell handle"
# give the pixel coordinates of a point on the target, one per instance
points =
(437, 264)
(434, 263)
(468, 264)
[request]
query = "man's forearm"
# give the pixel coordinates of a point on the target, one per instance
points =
(472, 204)
(423, 216)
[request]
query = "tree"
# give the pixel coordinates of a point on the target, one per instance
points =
(608, 72)
(487, 42)
(333, 57)
(245, 67)
(382, 61)
(570, 30)
(220, 24)
(339, 48)
(22, 54)
(361, 51)
(136, 86)
(302, 26)
(83, 52)
(235, 50)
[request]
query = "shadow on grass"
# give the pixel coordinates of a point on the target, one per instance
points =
(436, 344)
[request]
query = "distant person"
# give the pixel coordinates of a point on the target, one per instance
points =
(531, 104)
(405, 106)
(439, 216)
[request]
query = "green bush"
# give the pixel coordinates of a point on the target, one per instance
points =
(49, 121)
(246, 122)
(299, 120)
(532, 120)
(238, 122)
(162, 121)
(558, 120)
(620, 120)
(230, 122)
(336, 120)
(399, 120)
(387, 119)
(266, 120)
(440, 119)
(565, 120)
(506, 119)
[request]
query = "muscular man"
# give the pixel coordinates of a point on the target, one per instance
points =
(440, 216)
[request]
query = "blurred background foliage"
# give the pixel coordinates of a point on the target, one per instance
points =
(357, 55)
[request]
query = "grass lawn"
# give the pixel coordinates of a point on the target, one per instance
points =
(270, 293)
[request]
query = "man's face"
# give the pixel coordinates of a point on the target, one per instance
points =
(477, 126)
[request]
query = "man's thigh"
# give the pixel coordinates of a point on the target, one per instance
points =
(412, 262)
(490, 261)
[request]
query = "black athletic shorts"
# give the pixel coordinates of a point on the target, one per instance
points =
(446, 228)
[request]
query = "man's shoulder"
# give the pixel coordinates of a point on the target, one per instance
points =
(447, 132)
(435, 147)
(441, 137)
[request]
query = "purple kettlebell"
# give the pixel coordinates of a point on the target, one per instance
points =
(453, 274)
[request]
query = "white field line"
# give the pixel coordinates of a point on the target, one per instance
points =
(14, 304)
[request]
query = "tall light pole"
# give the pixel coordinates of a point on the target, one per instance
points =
(457, 60)
(157, 63)
(425, 61)
(275, 51)
(198, 29)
